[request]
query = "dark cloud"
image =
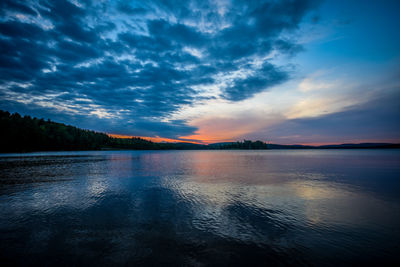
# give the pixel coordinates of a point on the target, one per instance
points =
(16, 29)
(265, 77)
(135, 63)
(178, 34)
(288, 47)
(126, 7)
(16, 6)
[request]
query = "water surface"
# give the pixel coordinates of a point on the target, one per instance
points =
(201, 208)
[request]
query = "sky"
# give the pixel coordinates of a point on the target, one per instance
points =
(287, 72)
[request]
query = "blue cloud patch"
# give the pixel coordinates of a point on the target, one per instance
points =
(132, 64)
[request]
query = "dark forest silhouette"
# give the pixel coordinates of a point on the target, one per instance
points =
(25, 134)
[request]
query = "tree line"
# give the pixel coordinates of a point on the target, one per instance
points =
(24, 134)
(246, 144)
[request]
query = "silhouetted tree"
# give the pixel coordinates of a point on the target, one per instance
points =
(24, 134)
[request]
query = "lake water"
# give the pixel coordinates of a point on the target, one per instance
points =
(201, 208)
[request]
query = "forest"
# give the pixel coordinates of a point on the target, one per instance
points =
(25, 134)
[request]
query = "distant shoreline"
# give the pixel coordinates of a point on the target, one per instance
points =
(281, 147)
(23, 134)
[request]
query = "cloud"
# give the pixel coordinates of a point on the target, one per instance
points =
(377, 119)
(16, 6)
(139, 62)
(266, 76)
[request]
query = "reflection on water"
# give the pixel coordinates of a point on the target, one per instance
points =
(201, 207)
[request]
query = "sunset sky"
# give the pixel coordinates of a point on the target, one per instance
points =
(287, 72)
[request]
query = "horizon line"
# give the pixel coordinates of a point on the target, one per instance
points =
(172, 140)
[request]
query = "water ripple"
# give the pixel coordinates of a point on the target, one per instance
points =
(200, 208)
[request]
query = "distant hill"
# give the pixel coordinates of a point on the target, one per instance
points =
(341, 146)
(25, 134)
(363, 145)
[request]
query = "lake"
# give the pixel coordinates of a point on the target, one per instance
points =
(201, 208)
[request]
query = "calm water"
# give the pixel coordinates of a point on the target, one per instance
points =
(296, 207)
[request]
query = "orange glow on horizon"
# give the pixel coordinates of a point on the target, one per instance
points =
(201, 138)
(206, 139)
(220, 129)
(156, 139)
